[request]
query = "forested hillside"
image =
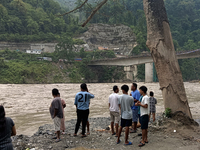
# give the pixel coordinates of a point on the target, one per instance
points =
(37, 20)
(32, 20)
(184, 18)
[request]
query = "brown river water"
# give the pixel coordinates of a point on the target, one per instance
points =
(28, 105)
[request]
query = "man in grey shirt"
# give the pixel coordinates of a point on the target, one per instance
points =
(56, 112)
(125, 103)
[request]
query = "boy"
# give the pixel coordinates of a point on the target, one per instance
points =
(114, 110)
(56, 112)
(152, 103)
(82, 102)
(144, 114)
(136, 96)
(125, 103)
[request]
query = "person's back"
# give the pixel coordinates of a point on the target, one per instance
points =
(152, 103)
(82, 100)
(126, 102)
(114, 110)
(56, 104)
(113, 101)
(82, 103)
(7, 129)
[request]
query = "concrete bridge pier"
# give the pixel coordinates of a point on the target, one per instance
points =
(148, 72)
(131, 72)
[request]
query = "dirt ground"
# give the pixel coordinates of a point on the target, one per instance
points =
(165, 134)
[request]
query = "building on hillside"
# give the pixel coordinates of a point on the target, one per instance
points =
(102, 48)
(45, 58)
(34, 51)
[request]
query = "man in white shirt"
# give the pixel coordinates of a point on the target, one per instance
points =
(144, 113)
(114, 110)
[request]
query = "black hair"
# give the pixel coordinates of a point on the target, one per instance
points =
(135, 85)
(2, 118)
(125, 88)
(55, 92)
(151, 93)
(115, 88)
(84, 86)
(144, 89)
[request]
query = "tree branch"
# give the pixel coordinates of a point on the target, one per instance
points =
(74, 9)
(94, 12)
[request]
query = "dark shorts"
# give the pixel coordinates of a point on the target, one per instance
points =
(126, 122)
(135, 115)
(139, 118)
(144, 121)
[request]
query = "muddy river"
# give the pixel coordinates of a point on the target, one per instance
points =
(28, 105)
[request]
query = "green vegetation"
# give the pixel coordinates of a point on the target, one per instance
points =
(168, 113)
(184, 18)
(35, 20)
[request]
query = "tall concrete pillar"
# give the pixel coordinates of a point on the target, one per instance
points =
(148, 72)
(129, 72)
(135, 72)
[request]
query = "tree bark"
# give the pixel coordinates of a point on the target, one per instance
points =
(159, 41)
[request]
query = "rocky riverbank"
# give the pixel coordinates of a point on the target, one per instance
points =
(163, 134)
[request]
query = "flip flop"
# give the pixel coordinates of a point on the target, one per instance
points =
(118, 142)
(141, 144)
(133, 131)
(128, 143)
(145, 142)
(83, 136)
(54, 138)
(75, 134)
(58, 140)
(113, 133)
(88, 133)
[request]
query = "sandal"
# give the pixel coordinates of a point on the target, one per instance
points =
(113, 133)
(75, 134)
(58, 140)
(88, 133)
(128, 143)
(83, 136)
(118, 142)
(141, 144)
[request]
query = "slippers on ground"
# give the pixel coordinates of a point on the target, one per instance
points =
(88, 133)
(75, 134)
(54, 138)
(83, 136)
(130, 143)
(113, 133)
(118, 142)
(145, 142)
(141, 144)
(133, 131)
(58, 140)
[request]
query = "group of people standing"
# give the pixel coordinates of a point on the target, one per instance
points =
(125, 108)
(137, 106)
(133, 107)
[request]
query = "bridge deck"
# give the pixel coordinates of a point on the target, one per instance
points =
(140, 59)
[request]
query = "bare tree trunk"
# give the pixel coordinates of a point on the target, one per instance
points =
(159, 41)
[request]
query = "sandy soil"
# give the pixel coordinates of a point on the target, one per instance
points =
(28, 104)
